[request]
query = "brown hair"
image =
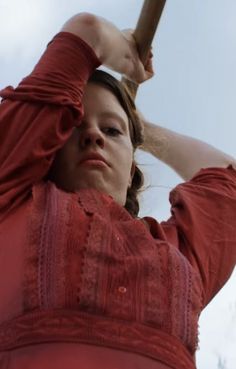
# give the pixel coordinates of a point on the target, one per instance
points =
(135, 129)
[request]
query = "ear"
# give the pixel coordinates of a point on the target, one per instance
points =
(132, 171)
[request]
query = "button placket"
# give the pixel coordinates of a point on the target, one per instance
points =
(120, 289)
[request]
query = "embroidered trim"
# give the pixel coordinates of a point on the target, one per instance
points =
(45, 252)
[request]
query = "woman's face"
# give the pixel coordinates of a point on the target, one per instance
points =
(104, 131)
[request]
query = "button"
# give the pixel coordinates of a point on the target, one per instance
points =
(118, 238)
(122, 289)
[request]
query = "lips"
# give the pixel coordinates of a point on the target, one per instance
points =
(93, 156)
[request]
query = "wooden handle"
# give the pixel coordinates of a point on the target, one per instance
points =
(144, 33)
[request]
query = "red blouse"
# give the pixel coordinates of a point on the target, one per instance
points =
(77, 271)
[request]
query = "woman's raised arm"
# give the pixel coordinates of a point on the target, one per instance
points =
(115, 49)
(185, 155)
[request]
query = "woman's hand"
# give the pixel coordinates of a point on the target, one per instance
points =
(138, 69)
(115, 49)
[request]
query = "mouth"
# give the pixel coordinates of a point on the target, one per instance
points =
(94, 163)
(94, 160)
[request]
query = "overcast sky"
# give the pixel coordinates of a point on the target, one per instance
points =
(193, 92)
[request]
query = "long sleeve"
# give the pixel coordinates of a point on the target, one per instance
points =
(204, 217)
(37, 117)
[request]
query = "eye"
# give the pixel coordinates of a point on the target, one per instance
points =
(111, 131)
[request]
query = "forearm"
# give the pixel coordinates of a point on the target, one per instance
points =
(97, 32)
(115, 49)
(185, 155)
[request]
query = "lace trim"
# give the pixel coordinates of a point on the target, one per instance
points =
(30, 283)
(73, 326)
(44, 279)
(93, 201)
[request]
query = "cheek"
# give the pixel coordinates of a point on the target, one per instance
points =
(126, 158)
(129, 152)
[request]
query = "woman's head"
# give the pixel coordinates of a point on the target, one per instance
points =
(110, 128)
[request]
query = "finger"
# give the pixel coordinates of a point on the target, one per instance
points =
(149, 66)
(144, 73)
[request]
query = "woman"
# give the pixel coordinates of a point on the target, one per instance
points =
(86, 283)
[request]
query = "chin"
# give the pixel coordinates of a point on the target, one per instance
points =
(86, 185)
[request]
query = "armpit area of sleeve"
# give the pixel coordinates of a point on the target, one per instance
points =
(60, 75)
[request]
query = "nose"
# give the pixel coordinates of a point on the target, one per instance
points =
(92, 137)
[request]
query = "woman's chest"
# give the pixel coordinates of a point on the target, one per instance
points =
(87, 257)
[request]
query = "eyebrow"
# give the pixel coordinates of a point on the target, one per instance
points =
(112, 114)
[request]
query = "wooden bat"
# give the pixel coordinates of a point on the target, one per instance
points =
(144, 33)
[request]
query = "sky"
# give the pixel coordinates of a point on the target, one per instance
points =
(193, 92)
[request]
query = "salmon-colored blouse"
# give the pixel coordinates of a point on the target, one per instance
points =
(83, 284)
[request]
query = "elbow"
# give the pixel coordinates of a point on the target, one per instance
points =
(84, 25)
(80, 20)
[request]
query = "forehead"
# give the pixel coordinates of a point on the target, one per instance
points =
(100, 100)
